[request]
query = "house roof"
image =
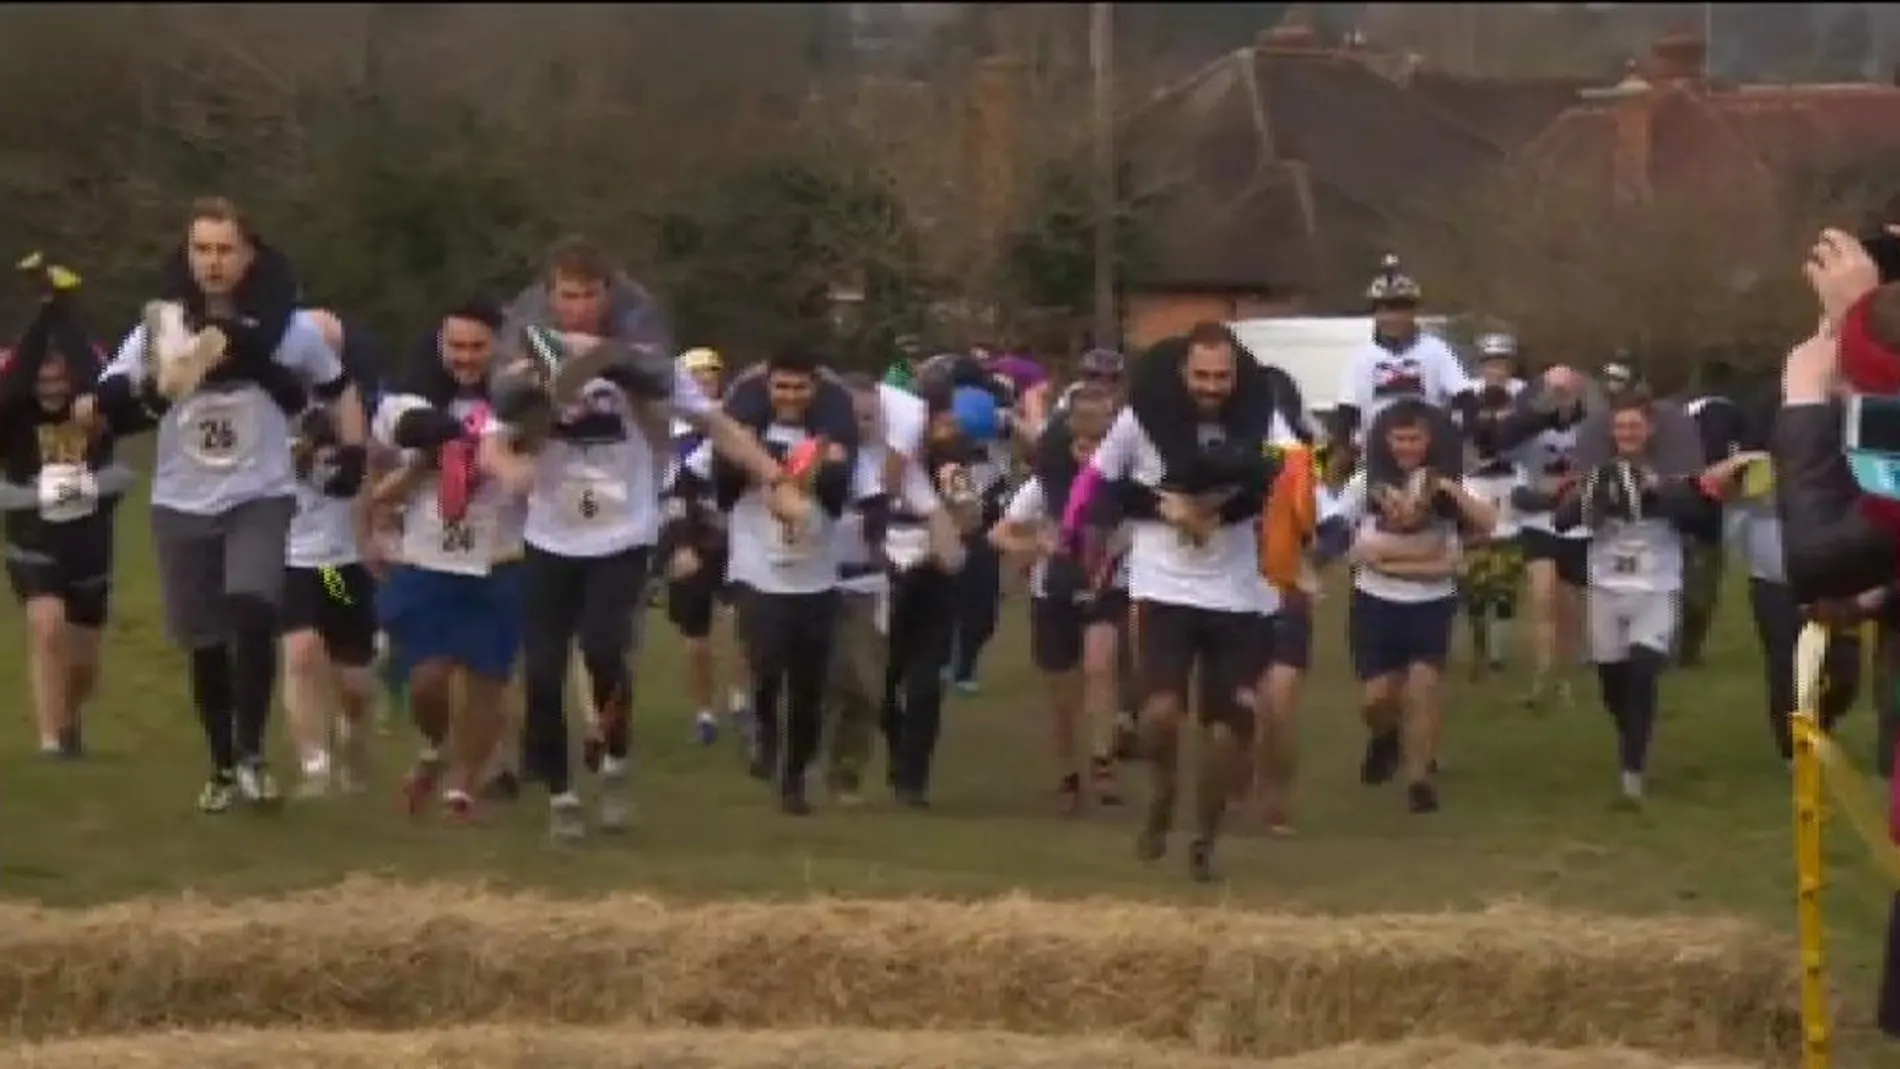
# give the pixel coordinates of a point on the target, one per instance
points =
(1509, 112)
(1258, 136)
(1691, 129)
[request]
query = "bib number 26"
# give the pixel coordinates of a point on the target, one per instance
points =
(217, 435)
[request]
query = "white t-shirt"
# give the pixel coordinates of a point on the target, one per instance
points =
(322, 531)
(1028, 505)
(1644, 557)
(1375, 377)
(221, 447)
(1222, 575)
(772, 560)
(906, 418)
(490, 532)
(1353, 505)
(1546, 448)
(599, 498)
(1496, 491)
(916, 498)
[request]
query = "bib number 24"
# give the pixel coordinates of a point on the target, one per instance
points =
(458, 539)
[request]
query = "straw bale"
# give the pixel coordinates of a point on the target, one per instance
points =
(379, 956)
(556, 1048)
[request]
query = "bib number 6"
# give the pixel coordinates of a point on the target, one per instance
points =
(587, 503)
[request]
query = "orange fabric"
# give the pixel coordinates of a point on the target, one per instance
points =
(801, 463)
(1291, 516)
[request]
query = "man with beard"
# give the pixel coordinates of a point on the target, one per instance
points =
(1187, 463)
(60, 494)
(452, 606)
(220, 361)
(594, 502)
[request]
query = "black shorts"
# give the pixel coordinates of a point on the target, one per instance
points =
(1057, 628)
(1175, 639)
(690, 601)
(73, 565)
(1570, 555)
(1388, 637)
(339, 604)
(1286, 637)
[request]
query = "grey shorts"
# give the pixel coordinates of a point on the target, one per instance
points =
(204, 560)
(1621, 619)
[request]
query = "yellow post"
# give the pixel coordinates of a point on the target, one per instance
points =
(1817, 1030)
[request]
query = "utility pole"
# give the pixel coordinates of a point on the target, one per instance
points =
(1102, 66)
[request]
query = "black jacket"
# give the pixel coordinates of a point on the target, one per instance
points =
(1834, 549)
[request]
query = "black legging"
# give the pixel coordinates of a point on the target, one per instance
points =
(788, 641)
(589, 601)
(921, 620)
(1778, 624)
(978, 602)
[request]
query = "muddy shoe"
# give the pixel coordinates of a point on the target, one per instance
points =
(567, 820)
(1201, 862)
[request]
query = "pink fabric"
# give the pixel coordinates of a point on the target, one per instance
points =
(1088, 483)
(458, 477)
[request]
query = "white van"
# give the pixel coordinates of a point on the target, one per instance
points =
(1314, 350)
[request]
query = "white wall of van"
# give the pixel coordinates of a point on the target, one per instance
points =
(1315, 350)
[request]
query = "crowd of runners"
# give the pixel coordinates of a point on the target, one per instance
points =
(498, 505)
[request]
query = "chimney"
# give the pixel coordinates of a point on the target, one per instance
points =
(1293, 33)
(1678, 58)
(995, 135)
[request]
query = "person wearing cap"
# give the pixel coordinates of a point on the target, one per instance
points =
(902, 371)
(59, 531)
(1400, 360)
(1494, 567)
(1102, 368)
(692, 556)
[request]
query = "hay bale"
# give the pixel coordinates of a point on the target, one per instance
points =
(369, 955)
(554, 1048)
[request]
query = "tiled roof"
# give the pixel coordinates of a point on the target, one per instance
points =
(1510, 113)
(1236, 129)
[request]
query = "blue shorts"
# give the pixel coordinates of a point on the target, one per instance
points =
(1388, 637)
(473, 621)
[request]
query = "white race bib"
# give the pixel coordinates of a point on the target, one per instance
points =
(787, 549)
(219, 430)
(1629, 559)
(906, 547)
(67, 493)
(591, 496)
(465, 547)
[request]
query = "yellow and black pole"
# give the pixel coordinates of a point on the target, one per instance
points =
(1809, 865)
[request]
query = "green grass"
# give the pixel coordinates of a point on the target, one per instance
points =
(1527, 808)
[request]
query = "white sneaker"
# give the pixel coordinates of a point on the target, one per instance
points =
(1632, 786)
(567, 820)
(256, 784)
(616, 810)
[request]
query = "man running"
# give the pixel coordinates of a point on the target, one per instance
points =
(1405, 553)
(594, 505)
(1188, 459)
(452, 605)
(61, 490)
(212, 361)
(1494, 566)
(1075, 617)
(329, 614)
(693, 553)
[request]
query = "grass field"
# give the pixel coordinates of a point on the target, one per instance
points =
(1527, 808)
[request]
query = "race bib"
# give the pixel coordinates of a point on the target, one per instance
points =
(1627, 561)
(218, 429)
(594, 497)
(790, 547)
(906, 547)
(462, 547)
(67, 493)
